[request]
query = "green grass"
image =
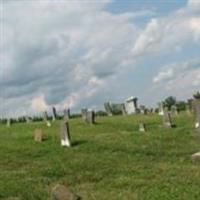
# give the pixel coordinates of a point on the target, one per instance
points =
(109, 160)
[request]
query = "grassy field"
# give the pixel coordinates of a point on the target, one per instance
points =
(108, 161)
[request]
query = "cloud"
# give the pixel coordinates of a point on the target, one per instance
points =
(164, 75)
(165, 34)
(179, 78)
(72, 53)
(38, 104)
(65, 51)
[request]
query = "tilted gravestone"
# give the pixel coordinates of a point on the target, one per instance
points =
(123, 109)
(38, 135)
(167, 122)
(61, 192)
(108, 108)
(66, 114)
(65, 134)
(131, 105)
(54, 113)
(45, 118)
(142, 127)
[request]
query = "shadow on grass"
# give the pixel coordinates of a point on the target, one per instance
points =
(78, 142)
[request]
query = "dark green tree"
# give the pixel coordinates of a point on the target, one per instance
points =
(181, 105)
(169, 101)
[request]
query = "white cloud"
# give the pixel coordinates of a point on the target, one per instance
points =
(164, 75)
(38, 104)
(195, 27)
(166, 33)
(64, 53)
(179, 78)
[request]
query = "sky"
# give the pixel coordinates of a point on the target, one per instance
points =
(74, 54)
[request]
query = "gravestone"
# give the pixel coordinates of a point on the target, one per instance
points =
(90, 117)
(144, 110)
(45, 118)
(142, 127)
(161, 109)
(123, 109)
(108, 108)
(131, 105)
(167, 122)
(84, 113)
(54, 113)
(9, 122)
(188, 110)
(189, 106)
(28, 119)
(174, 109)
(66, 114)
(152, 110)
(61, 192)
(196, 108)
(196, 156)
(38, 135)
(65, 134)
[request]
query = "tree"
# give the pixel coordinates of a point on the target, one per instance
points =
(181, 105)
(169, 101)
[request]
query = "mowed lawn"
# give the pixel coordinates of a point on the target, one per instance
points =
(108, 161)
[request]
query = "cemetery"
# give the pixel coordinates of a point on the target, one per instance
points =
(137, 154)
(99, 100)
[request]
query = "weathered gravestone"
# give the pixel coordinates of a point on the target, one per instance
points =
(9, 122)
(66, 114)
(65, 134)
(143, 110)
(28, 119)
(161, 109)
(88, 116)
(54, 113)
(142, 127)
(45, 118)
(196, 156)
(131, 105)
(38, 135)
(108, 108)
(61, 192)
(84, 113)
(188, 110)
(174, 110)
(123, 109)
(189, 106)
(167, 122)
(196, 107)
(152, 110)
